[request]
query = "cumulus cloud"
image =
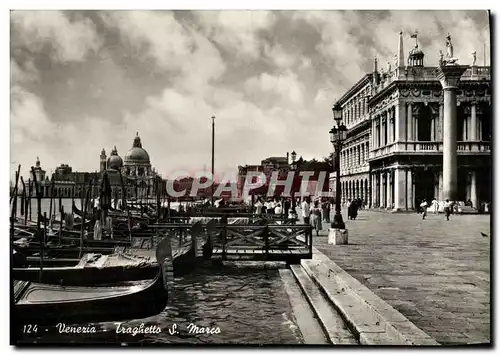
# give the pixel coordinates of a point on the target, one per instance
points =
(287, 87)
(70, 40)
(270, 78)
(176, 48)
(237, 31)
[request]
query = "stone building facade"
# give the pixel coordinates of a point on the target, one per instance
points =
(393, 156)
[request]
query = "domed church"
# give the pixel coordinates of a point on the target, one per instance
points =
(137, 174)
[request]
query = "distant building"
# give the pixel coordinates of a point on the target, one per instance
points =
(283, 165)
(138, 177)
(135, 172)
(41, 179)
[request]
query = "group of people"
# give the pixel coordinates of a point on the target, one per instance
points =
(316, 214)
(353, 207)
(312, 212)
(449, 208)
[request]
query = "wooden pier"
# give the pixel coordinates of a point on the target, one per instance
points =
(288, 243)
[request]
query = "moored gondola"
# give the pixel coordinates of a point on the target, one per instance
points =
(136, 261)
(44, 304)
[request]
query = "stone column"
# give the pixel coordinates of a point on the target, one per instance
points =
(376, 134)
(400, 122)
(409, 122)
(382, 190)
(379, 132)
(373, 190)
(384, 131)
(369, 192)
(440, 184)
(464, 129)
(409, 189)
(399, 189)
(415, 131)
(436, 186)
(440, 123)
(389, 189)
(373, 134)
(390, 121)
(473, 190)
(449, 77)
(473, 123)
(433, 129)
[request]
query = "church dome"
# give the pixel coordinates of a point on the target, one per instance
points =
(114, 160)
(137, 155)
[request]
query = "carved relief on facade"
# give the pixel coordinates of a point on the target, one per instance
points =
(404, 92)
(436, 93)
(416, 92)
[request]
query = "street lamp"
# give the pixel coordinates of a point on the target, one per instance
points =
(337, 137)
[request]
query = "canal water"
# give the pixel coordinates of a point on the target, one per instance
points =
(248, 306)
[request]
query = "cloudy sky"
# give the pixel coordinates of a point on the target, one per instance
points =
(86, 80)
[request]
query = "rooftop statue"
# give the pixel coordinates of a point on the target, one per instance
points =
(449, 47)
(473, 58)
(450, 60)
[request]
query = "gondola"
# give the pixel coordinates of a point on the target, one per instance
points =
(44, 304)
(135, 262)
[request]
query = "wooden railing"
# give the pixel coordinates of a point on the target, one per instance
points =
(263, 238)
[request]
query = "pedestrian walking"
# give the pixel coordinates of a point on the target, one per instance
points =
(287, 205)
(306, 211)
(316, 217)
(324, 211)
(423, 206)
(447, 209)
(278, 210)
(435, 206)
(258, 207)
(328, 205)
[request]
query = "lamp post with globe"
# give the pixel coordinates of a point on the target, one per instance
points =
(337, 137)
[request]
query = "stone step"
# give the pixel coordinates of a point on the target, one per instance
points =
(304, 316)
(373, 320)
(332, 323)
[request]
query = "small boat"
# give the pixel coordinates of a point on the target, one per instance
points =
(88, 275)
(135, 261)
(44, 304)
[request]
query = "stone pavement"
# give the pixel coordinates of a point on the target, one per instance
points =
(435, 272)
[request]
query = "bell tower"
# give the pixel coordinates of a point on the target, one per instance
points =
(103, 160)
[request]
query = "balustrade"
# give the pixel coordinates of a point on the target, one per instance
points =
(429, 147)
